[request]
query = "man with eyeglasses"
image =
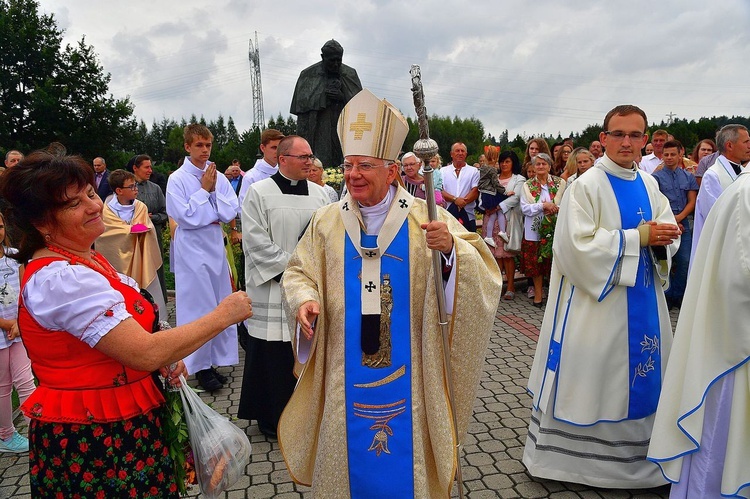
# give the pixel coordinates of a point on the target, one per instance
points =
(369, 416)
(605, 338)
(129, 241)
(275, 211)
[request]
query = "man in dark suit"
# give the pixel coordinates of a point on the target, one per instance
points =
(103, 188)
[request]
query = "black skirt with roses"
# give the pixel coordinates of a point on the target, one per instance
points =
(121, 459)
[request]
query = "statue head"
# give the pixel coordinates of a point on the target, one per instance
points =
(332, 53)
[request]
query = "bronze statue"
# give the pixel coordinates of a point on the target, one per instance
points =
(322, 91)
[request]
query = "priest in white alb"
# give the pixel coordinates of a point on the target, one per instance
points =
(370, 416)
(275, 211)
(701, 439)
(606, 333)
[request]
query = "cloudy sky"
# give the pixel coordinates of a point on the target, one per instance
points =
(538, 66)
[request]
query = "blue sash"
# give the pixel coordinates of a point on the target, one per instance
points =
(378, 400)
(644, 334)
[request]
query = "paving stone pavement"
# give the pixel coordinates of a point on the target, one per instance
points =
(492, 450)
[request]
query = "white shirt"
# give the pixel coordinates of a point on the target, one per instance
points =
(460, 185)
(649, 163)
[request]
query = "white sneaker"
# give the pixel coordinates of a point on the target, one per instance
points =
(502, 235)
(490, 242)
(530, 292)
(17, 444)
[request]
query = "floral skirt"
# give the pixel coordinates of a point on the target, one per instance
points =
(121, 459)
(530, 263)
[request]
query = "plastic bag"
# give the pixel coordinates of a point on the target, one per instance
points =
(221, 450)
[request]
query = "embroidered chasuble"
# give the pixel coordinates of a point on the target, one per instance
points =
(378, 424)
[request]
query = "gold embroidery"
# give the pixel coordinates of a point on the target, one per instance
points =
(382, 414)
(382, 358)
(384, 381)
(360, 126)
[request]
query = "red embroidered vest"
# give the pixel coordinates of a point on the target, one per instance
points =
(77, 383)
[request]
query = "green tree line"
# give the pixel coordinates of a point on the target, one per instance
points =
(55, 93)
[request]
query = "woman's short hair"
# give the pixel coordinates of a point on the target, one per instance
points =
(513, 158)
(35, 190)
(546, 157)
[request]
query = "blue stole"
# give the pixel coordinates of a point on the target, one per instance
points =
(378, 400)
(644, 334)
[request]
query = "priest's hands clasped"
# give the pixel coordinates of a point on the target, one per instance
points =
(662, 234)
(438, 236)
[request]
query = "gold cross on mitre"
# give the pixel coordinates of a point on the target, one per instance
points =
(372, 127)
(360, 126)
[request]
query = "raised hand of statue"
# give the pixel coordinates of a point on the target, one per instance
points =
(208, 180)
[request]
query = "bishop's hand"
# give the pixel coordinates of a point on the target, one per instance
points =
(306, 315)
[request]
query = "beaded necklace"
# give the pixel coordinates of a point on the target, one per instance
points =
(102, 265)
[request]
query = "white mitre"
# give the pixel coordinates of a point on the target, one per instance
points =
(371, 127)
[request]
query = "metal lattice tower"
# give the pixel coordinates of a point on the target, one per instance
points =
(254, 56)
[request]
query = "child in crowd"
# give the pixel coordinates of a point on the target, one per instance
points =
(15, 367)
(491, 193)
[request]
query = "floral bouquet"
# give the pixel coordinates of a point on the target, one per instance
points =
(545, 227)
(333, 177)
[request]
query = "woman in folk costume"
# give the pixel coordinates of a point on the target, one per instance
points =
(540, 198)
(370, 416)
(96, 416)
(129, 241)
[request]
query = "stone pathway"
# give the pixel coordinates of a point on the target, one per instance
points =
(491, 453)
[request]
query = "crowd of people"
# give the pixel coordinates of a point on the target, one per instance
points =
(608, 237)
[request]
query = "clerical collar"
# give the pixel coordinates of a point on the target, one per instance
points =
(736, 167)
(374, 216)
(609, 166)
(289, 186)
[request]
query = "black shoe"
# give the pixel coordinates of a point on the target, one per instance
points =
(267, 429)
(208, 381)
(539, 305)
(222, 379)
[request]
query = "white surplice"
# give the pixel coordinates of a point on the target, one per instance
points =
(718, 177)
(257, 173)
(707, 384)
(199, 260)
(272, 223)
(579, 430)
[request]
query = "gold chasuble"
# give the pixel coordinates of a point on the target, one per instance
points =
(313, 428)
(133, 254)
